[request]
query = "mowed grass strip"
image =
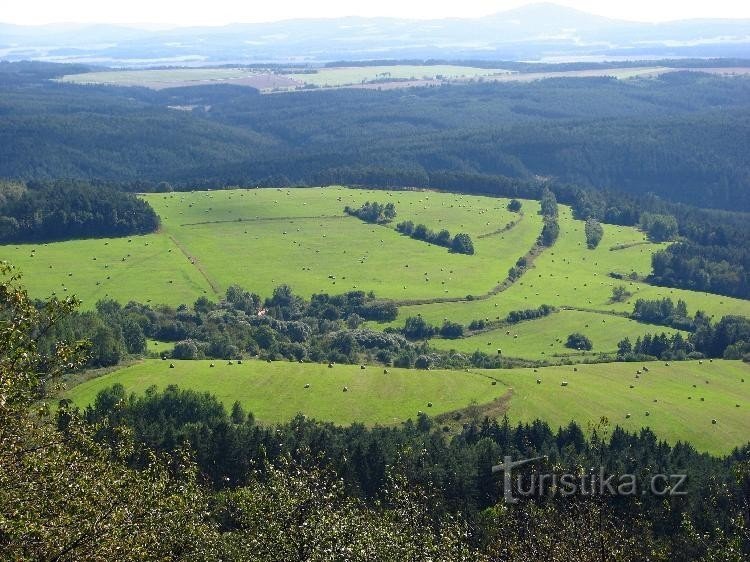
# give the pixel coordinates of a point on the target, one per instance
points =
(276, 391)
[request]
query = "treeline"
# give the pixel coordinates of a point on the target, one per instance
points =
(45, 211)
(461, 243)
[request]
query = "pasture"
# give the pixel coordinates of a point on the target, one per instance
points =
(569, 274)
(544, 338)
(276, 392)
(347, 76)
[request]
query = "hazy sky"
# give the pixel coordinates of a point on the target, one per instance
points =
(217, 12)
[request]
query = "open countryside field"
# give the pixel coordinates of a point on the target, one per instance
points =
(569, 274)
(261, 238)
(276, 391)
(544, 338)
(345, 76)
(358, 76)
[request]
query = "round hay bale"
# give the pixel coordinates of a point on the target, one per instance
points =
(494, 383)
(648, 413)
(627, 416)
(429, 404)
(538, 381)
(212, 365)
(361, 366)
(330, 365)
(713, 422)
(239, 361)
(632, 386)
(345, 389)
(564, 383)
(307, 385)
(385, 371)
(171, 365)
(575, 369)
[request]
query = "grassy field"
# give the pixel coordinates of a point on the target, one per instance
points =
(167, 75)
(545, 338)
(345, 76)
(569, 274)
(261, 238)
(275, 392)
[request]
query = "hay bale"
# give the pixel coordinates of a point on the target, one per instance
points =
(627, 416)
(361, 366)
(429, 404)
(212, 365)
(385, 371)
(494, 383)
(345, 389)
(713, 422)
(538, 381)
(575, 369)
(239, 361)
(171, 365)
(307, 385)
(564, 383)
(703, 399)
(330, 365)
(648, 413)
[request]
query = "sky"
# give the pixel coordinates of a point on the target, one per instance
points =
(220, 12)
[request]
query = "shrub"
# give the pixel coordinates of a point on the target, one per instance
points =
(576, 340)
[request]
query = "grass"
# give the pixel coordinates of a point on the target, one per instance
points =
(346, 76)
(261, 238)
(275, 392)
(143, 77)
(569, 274)
(545, 338)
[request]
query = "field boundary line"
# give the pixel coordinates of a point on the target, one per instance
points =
(506, 228)
(197, 264)
(264, 219)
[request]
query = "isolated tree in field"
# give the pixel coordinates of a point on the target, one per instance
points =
(514, 206)
(577, 340)
(462, 244)
(619, 293)
(594, 233)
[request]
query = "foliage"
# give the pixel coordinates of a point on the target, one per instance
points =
(659, 227)
(594, 233)
(63, 210)
(578, 341)
(373, 212)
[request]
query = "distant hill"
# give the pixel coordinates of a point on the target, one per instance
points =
(534, 32)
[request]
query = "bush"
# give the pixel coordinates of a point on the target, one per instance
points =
(577, 340)
(514, 205)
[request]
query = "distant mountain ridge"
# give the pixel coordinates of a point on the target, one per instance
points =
(534, 32)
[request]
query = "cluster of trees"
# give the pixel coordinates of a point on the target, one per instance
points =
(716, 269)
(659, 228)
(729, 339)
(551, 228)
(666, 313)
(594, 233)
(514, 206)
(579, 341)
(373, 212)
(461, 243)
(41, 211)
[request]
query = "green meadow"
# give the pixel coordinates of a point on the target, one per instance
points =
(276, 391)
(345, 76)
(544, 338)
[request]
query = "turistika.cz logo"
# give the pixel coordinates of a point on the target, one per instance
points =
(594, 483)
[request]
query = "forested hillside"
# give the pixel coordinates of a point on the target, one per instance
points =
(680, 136)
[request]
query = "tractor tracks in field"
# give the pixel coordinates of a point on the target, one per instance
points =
(194, 261)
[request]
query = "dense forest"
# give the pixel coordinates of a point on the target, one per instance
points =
(632, 135)
(60, 210)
